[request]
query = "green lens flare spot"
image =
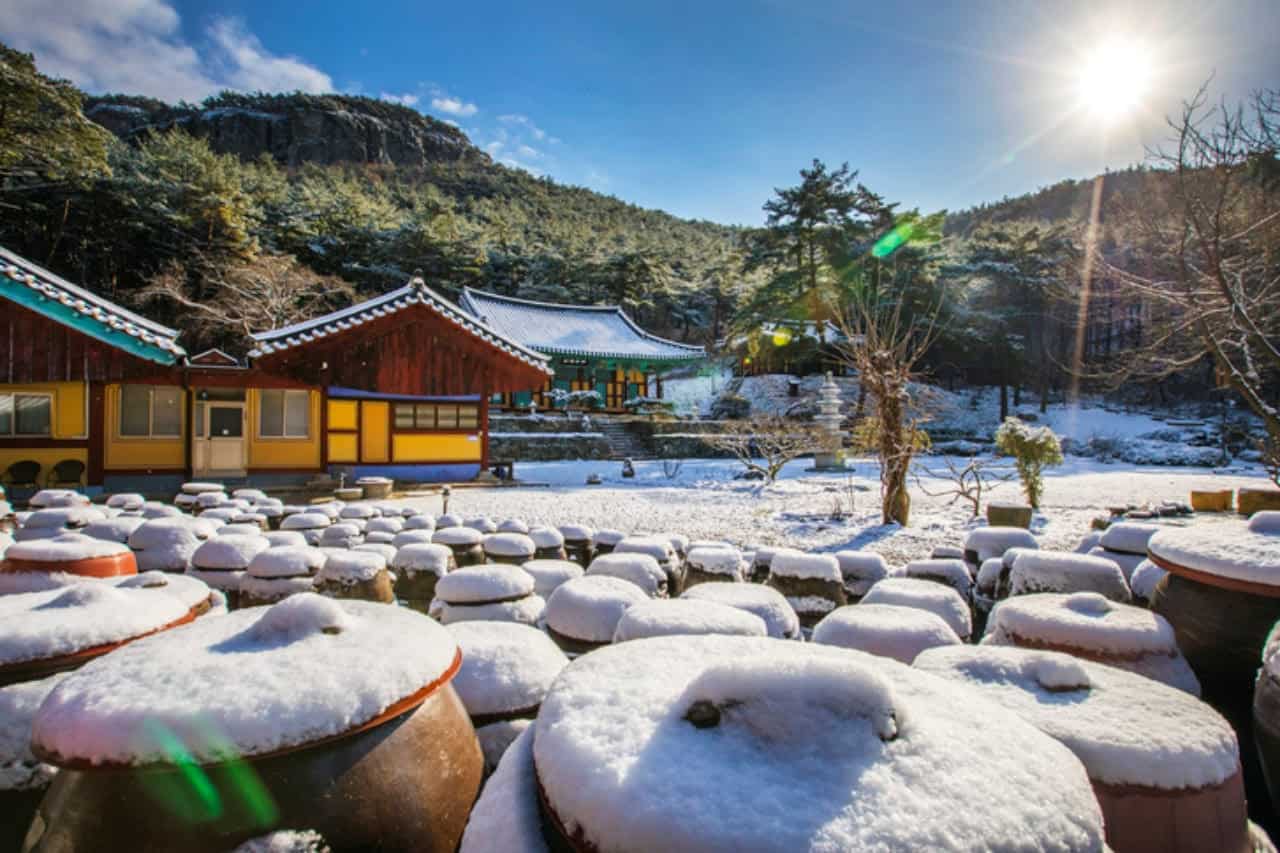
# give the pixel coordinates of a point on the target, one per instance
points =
(897, 237)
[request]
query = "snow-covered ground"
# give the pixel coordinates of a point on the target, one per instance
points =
(704, 501)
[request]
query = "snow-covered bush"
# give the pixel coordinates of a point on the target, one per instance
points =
(1033, 449)
(567, 400)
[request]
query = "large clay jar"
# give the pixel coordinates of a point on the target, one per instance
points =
(205, 743)
(662, 549)
(506, 670)
(939, 599)
(417, 567)
(549, 542)
(859, 571)
(510, 548)
(1176, 788)
(356, 574)
(780, 619)
(604, 541)
(55, 521)
(223, 561)
(1066, 572)
(812, 583)
(166, 544)
(70, 554)
(1222, 596)
(578, 543)
(713, 564)
(1088, 625)
(466, 543)
(549, 574)
(983, 543)
(582, 614)
(742, 743)
(681, 617)
(640, 569)
(492, 592)
(44, 635)
(278, 572)
(888, 630)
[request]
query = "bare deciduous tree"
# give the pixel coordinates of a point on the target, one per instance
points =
(765, 444)
(1204, 251)
(968, 482)
(267, 292)
(884, 348)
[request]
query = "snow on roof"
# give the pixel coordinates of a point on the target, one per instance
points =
(415, 292)
(262, 678)
(108, 317)
(1126, 729)
(604, 331)
(623, 761)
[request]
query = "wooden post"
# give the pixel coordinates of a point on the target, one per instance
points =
(484, 421)
(189, 400)
(324, 425)
(95, 473)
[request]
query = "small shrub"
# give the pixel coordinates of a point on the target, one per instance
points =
(1033, 449)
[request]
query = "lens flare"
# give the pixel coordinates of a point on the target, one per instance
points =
(891, 242)
(1114, 78)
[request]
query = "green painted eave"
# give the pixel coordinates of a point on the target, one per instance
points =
(53, 309)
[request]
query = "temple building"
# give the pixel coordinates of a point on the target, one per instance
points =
(590, 348)
(91, 394)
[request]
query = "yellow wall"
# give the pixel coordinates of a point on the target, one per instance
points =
(46, 456)
(343, 414)
(153, 453)
(342, 447)
(435, 447)
(284, 452)
(375, 426)
(70, 414)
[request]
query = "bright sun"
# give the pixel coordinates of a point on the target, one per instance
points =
(1113, 79)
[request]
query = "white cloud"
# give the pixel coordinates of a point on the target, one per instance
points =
(137, 46)
(408, 99)
(528, 152)
(526, 122)
(513, 163)
(446, 103)
(494, 148)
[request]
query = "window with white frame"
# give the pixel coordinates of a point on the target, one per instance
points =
(26, 414)
(284, 414)
(150, 411)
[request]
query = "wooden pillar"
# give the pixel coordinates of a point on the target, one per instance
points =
(324, 424)
(189, 400)
(484, 421)
(95, 472)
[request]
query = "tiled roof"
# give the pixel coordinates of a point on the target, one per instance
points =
(604, 331)
(60, 300)
(414, 293)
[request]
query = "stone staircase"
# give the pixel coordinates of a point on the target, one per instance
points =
(623, 443)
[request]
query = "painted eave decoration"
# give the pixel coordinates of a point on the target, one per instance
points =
(415, 292)
(594, 331)
(52, 296)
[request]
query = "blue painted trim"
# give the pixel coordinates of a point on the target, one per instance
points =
(341, 393)
(59, 313)
(423, 473)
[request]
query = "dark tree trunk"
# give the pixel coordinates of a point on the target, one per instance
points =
(1004, 401)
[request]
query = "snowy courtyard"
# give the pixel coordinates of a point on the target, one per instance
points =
(704, 501)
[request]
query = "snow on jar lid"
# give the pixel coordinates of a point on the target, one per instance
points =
(72, 553)
(790, 563)
(859, 569)
(715, 560)
(724, 743)
(1231, 554)
(249, 683)
(228, 553)
(170, 531)
(80, 619)
(588, 608)
(1265, 521)
(658, 547)
(546, 537)
(483, 523)
(51, 522)
(509, 545)
(351, 566)
(640, 569)
(576, 532)
(57, 498)
(449, 519)
(1081, 620)
(419, 522)
(364, 511)
(286, 561)
(117, 529)
(192, 592)
(925, 595)
(513, 525)
(887, 630)
(549, 574)
(507, 668)
(988, 542)
(421, 557)
(456, 536)
(1129, 537)
(685, 616)
(197, 488)
(305, 521)
(1067, 571)
(607, 537)
(766, 602)
(385, 524)
(127, 501)
(1127, 729)
(483, 584)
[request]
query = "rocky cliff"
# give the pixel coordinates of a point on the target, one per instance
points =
(294, 129)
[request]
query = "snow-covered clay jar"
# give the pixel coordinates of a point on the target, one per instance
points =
(661, 549)
(55, 521)
(1125, 543)
(686, 617)
(640, 569)
(278, 572)
(943, 570)
(780, 619)
(167, 544)
(549, 543)
(222, 562)
(23, 778)
(983, 543)
(859, 571)
(713, 564)
(582, 614)
(812, 583)
(1164, 765)
(939, 599)
(356, 574)
(605, 540)
(506, 671)
(1222, 597)
(317, 713)
(510, 548)
(726, 743)
(492, 592)
(1067, 572)
(1266, 715)
(887, 630)
(466, 543)
(417, 567)
(578, 545)
(760, 560)
(1087, 625)
(549, 574)
(71, 554)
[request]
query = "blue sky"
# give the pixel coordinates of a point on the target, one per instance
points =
(700, 108)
